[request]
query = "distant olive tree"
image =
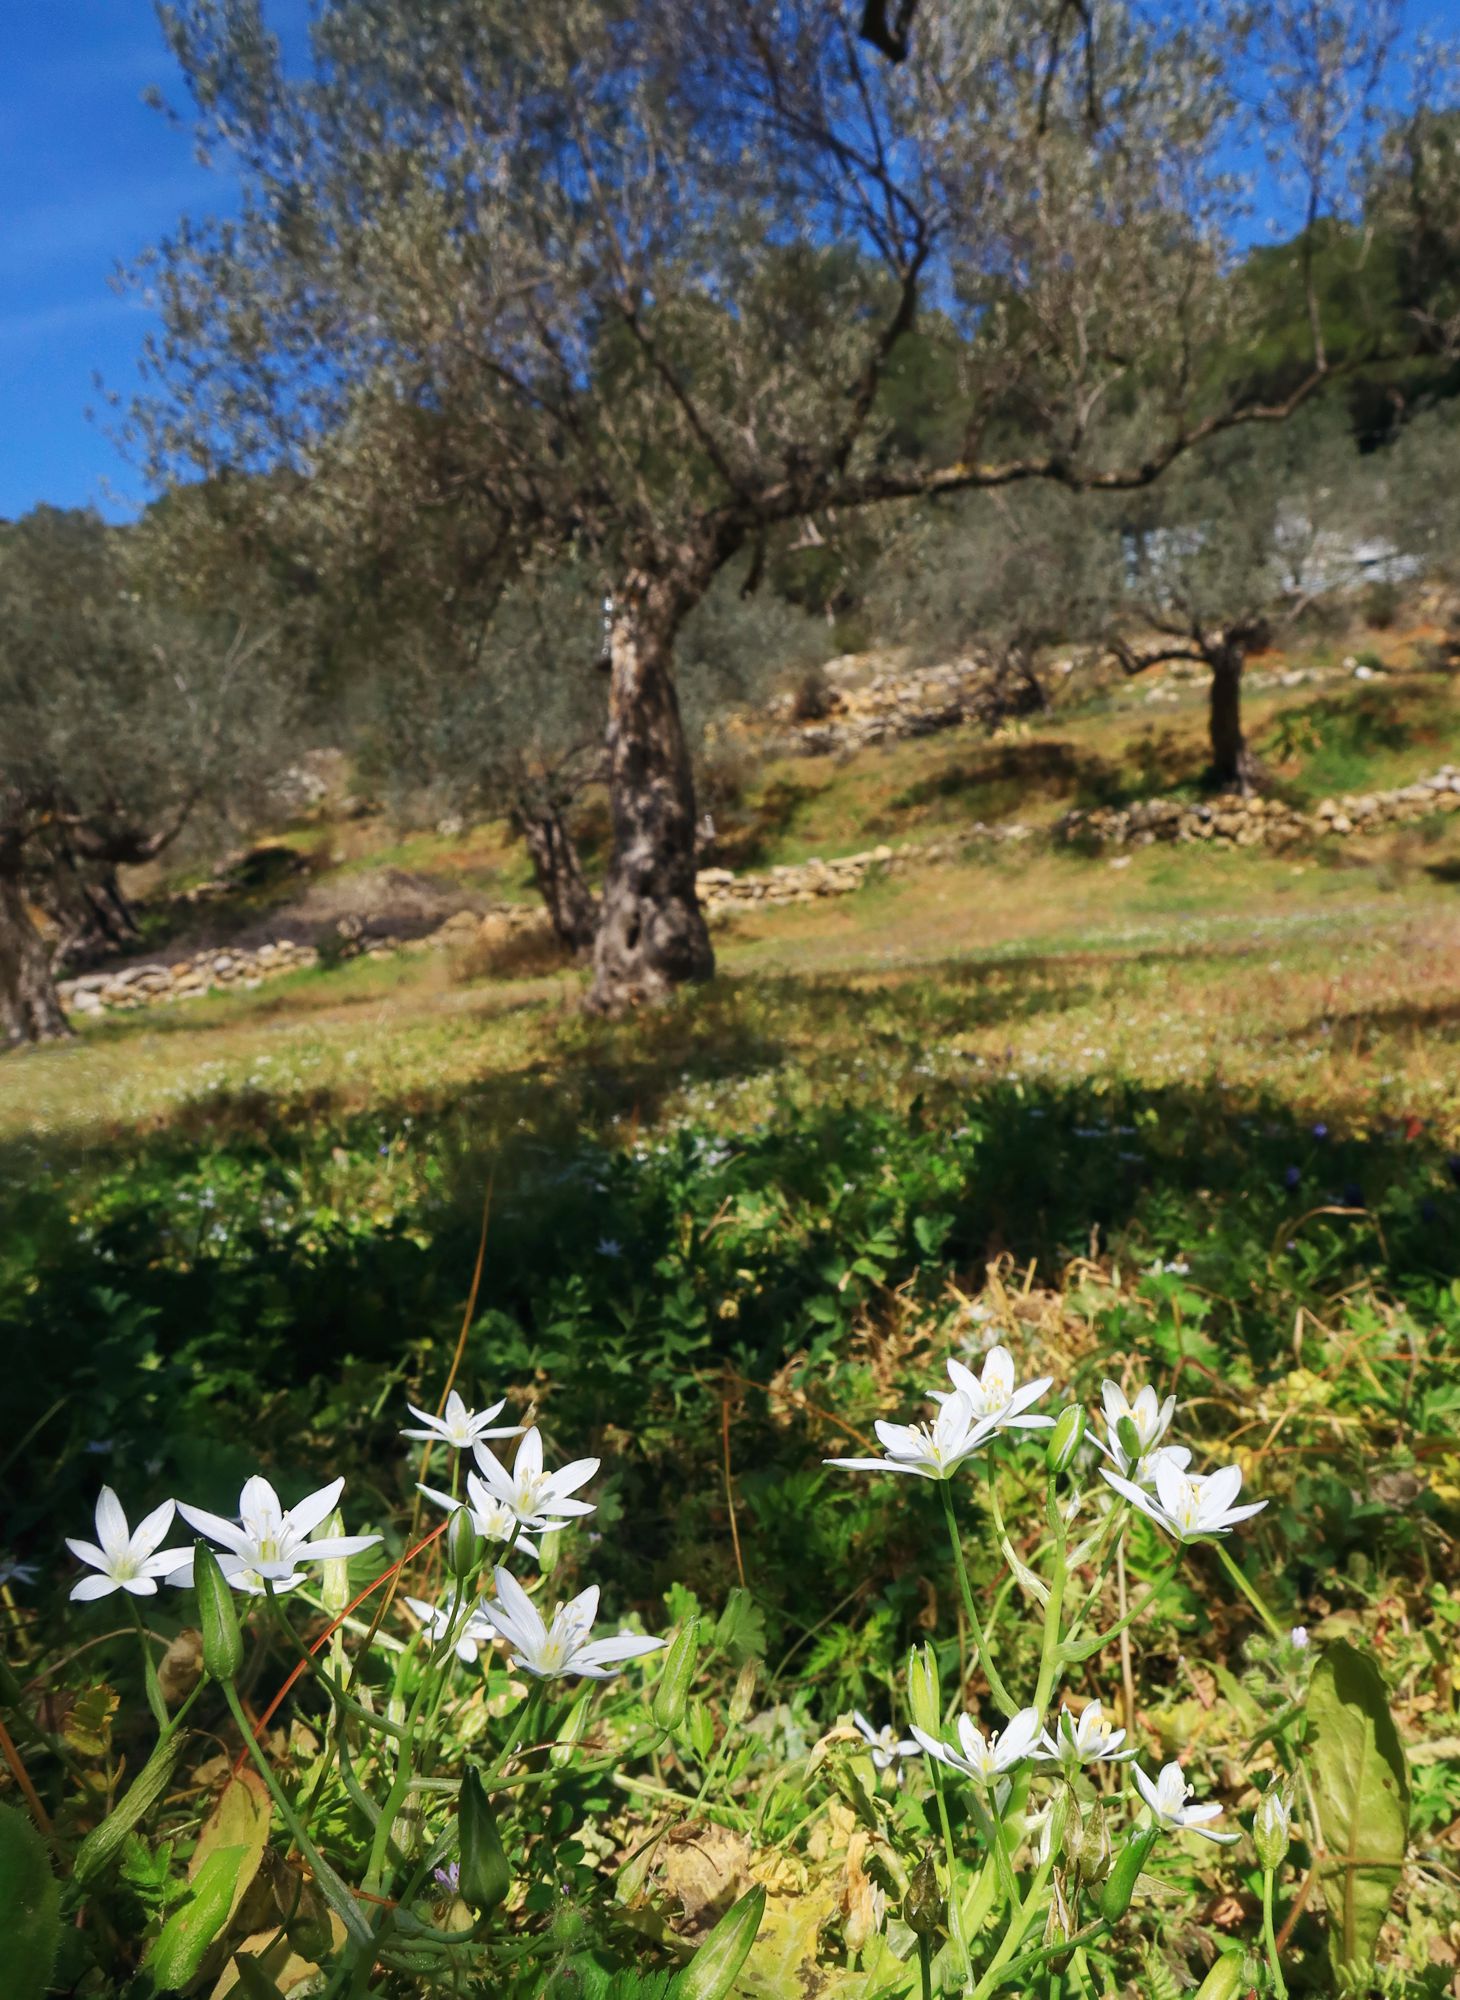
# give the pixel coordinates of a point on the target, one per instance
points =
(1004, 575)
(122, 720)
(633, 281)
(1233, 548)
(498, 708)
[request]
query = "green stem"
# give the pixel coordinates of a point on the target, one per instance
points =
(1274, 1963)
(1028, 1960)
(1049, 1650)
(991, 1673)
(955, 1914)
(1071, 1654)
(149, 1670)
(1014, 1935)
(1249, 1591)
(340, 1899)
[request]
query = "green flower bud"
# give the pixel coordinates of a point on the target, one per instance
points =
(485, 1875)
(1066, 1438)
(924, 1690)
(715, 1967)
(1227, 1978)
(743, 1693)
(1130, 1438)
(1270, 1828)
(674, 1682)
(923, 1909)
(217, 1617)
(572, 1732)
(334, 1571)
(464, 1546)
(1120, 1885)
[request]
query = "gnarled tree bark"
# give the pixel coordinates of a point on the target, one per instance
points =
(30, 1008)
(652, 934)
(558, 873)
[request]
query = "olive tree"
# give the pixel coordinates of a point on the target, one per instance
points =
(122, 719)
(1231, 550)
(497, 708)
(642, 271)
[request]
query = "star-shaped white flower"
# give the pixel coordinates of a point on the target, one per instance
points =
(995, 1396)
(1149, 1419)
(493, 1519)
(459, 1427)
(1084, 1739)
(885, 1744)
(125, 1558)
(438, 1619)
(928, 1451)
(986, 1758)
(268, 1541)
(1167, 1797)
(566, 1646)
(538, 1499)
(1189, 1505)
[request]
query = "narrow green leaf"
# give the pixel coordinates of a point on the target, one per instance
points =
(1362, 1793)
(30, 1903)
(104, 1843)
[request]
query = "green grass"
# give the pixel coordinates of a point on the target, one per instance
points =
(1194, 1117)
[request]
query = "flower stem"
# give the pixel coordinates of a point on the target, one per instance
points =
(991, 1673)
(149, 1669)
(1249, 1591)
(1071, 1654)
(1014, 1935)
(1273, 1961)
(955, 1914)
(339, 1897)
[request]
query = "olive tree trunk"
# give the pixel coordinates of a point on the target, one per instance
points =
(651, 934)
(558, 873)
(1233, 766)
(30, 1008)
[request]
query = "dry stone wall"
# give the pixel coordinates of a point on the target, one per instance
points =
(126, 987)
(1253, 822)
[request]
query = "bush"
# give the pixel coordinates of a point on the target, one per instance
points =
(1381, 605)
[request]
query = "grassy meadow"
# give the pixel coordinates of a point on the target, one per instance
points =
(1169, 1114)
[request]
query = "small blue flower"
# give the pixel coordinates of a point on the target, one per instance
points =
(609, 1246)
(1292, 1176)
(1320, 1131)
(449, 1877)
(1429, 1209)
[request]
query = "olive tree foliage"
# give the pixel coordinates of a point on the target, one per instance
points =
(1234, 546)
(639, 272)
(479, 709)
(122, 720)
(1004, 575)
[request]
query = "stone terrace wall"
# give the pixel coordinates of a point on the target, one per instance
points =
(125, 987)
(1256, 822)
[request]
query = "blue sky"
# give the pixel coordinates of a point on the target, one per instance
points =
(91, 176)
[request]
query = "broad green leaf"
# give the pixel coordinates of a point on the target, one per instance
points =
(240, 1818)
(1362, 1793)
(30, 1901)
(188, 1932)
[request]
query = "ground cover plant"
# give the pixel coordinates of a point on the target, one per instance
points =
(1201, 1143)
